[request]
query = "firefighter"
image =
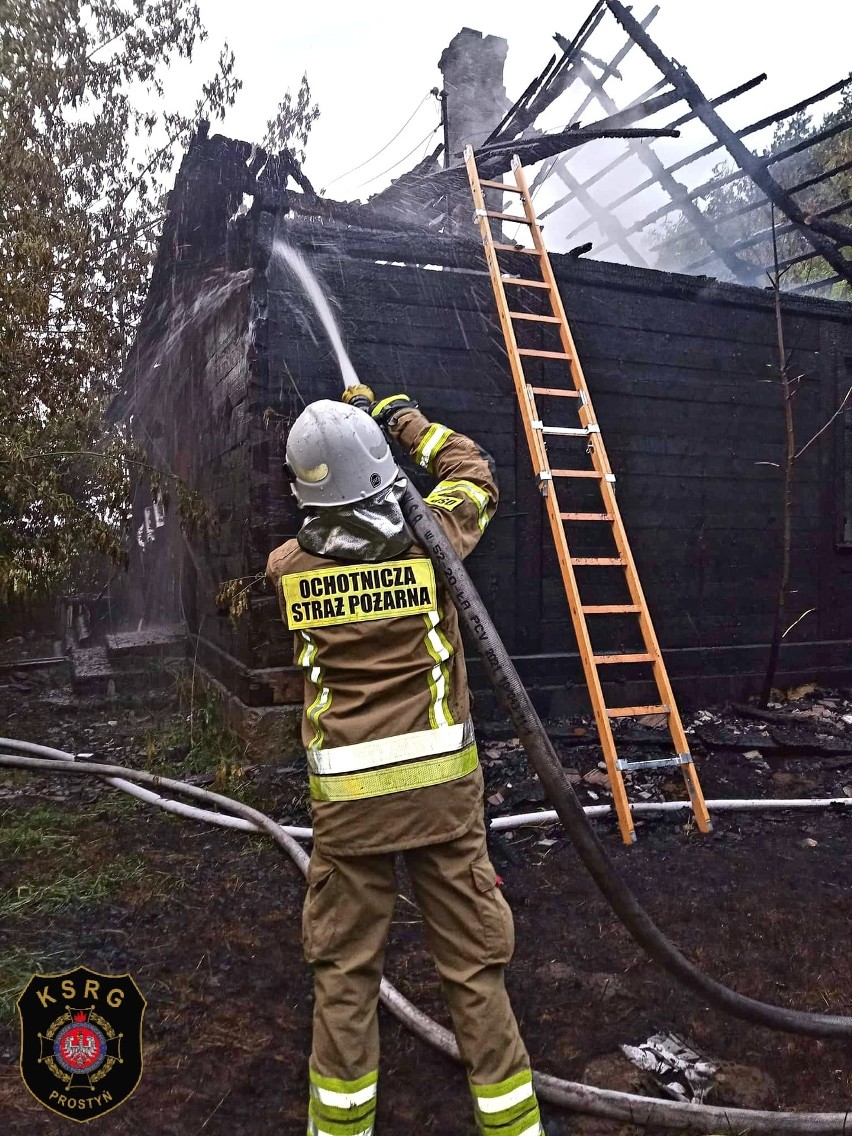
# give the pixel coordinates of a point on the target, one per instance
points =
(392, 757)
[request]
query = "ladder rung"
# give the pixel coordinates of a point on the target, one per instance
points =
(564, 431)
(536, 354)
(586, 517)
(637, 711)
(575, 473)
(525, 283)
(656, 763)
(599, 560)
(557, 392)
(515, 248)
(507, 217)
(610, 609)
(501, 185)
(537, 319)
(644, 657)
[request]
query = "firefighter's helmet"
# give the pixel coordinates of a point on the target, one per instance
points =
(337, 455)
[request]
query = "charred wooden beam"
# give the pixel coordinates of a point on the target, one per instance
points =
(635, 112)
(821, 233)
(531, 150)
(740, 269)
(600, 81)
(790, 261)
(612, 68)
(813, 285)
(607, 222)
(764, 235)
(631, 151)
(587, 57)
(761, 124)
(771, 160)
(548, 86)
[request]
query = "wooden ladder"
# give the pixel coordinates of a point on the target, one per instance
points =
(586, 427)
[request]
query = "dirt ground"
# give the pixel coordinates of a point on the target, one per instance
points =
(207, 923)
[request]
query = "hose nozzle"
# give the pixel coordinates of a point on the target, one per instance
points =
(360, 396)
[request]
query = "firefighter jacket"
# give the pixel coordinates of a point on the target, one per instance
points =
(391, 754)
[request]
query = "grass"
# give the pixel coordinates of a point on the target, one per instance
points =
(66, 860)
(42, 828)
(197, 743)
(17, 966)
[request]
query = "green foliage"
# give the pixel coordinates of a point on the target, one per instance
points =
(234, 596)
(292, 122)
(198, 743)
(18, 965)
(68, 859)
(88, 143)
(738, 195)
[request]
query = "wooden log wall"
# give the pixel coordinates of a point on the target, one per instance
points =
(683, 377)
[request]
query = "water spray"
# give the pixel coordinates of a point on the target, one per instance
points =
(309, 282)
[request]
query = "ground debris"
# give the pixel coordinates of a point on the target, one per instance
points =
(677, 1068)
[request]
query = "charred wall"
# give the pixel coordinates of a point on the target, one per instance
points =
(681, 373)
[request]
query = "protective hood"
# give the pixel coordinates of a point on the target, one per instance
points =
(369, 530)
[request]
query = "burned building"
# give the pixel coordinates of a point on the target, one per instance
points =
(681, 369)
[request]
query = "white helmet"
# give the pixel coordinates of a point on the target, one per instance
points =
(337, 455)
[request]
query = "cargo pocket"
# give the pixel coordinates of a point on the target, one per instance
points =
(319, 913)
(495, 915)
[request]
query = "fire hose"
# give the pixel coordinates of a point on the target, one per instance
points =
(544, 760)
(568, 1094)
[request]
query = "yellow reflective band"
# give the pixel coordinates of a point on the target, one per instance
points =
(380, 406)
(392, 750)
(308, 652)
(432, 442)
(476, 494)
(487, 1104)
(358, 593)
(439, 677)
(381, 782)
(318, 707)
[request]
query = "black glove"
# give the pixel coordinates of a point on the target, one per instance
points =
(387, 410)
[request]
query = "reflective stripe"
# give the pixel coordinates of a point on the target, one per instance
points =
(434, 440)
(476, 494)
(380, 406)
(336, 1085)
(439, 678)
(318, 707)
(500, 1088)
(322, 701)
(389, 751)
(397, 779)
(309, 650)
(333, 1099)
(498, 1104)
(330, 1129)
(508, 1108)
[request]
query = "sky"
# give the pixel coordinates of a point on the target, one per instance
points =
(371, 66)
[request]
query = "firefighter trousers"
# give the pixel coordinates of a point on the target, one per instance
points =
(469, 931)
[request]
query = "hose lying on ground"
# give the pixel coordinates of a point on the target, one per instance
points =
(569, 1094)
(501, 671)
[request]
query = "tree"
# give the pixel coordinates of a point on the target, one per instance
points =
(738, 210)
(292, 123)
(86, 146)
